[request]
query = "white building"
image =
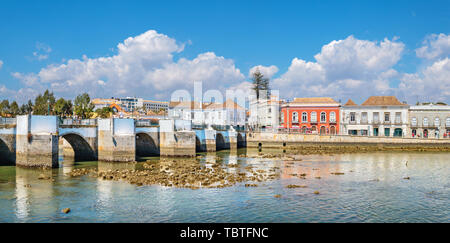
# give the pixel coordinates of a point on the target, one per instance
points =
(219, 114)
(264, 113)
(377, 116)
(156, 106)
(429, 121)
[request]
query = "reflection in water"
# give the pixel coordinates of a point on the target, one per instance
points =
(34, 195)
(370, 188)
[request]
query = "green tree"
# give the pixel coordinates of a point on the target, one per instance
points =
(14, 109)
(83, 106)
(63, 107)
(105, 112)
(260, 83)
(4, 107)
(26, 108)
(44, 104)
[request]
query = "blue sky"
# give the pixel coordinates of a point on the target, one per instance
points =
(249, 33)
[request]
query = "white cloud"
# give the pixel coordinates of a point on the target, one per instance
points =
(144, 66)
(348, 67)
(432, 84)
(42, 51)
(267, 71)
(353, 58)
(434, 47)
(1, 64)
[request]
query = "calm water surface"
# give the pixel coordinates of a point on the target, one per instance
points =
(372, 189)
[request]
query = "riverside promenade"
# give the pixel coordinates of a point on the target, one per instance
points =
(343, 142)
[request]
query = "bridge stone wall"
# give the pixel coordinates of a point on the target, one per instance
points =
(116, 140)
(37, 141)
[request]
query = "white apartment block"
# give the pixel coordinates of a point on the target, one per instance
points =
(377, 116)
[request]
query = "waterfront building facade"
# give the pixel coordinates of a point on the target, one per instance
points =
(319, 115)
(377, 116)
(429, 121)
(264, 113)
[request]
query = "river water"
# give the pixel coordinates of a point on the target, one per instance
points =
(372, 188)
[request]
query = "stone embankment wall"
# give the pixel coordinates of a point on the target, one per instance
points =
(343, 143)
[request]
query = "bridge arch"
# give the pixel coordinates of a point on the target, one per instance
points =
(220, 142)
(7, 156)
(83, 151)
(198, 145)
(145, 145)
(240, 141)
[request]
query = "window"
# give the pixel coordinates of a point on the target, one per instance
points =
(282, 117)
(414, 121)
(364, 117)
(386, 116)
(295, 117)
(398, 117)
(425, 121)
(447, 122)
(304, 117)
(332, 116)
(437, 122)
(376, 117)
(352, 116)
(323, 117)
(313, 116)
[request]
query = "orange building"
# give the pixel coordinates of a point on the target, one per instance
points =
(311, 115)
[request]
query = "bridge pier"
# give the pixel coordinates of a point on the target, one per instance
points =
(116, 140)
(176, 143)
(37, 141)
(232, 139)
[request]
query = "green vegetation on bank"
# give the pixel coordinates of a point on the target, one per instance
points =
(47, 104)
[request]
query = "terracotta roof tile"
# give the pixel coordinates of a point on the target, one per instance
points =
(382, 101)
(314, 100)
(350, 103)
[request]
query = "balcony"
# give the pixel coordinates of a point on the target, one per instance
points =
(352, 122)
(376, 122)
(387, 122)
(364, 122)
(398, 122)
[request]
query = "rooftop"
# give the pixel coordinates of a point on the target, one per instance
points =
(314, 100)
(350, 103)
(382, 101)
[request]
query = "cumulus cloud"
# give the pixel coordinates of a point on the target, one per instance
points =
(343, 68)
(144, 66)
(434, 47)
(1, 64)
(432, 84)
(267, 71)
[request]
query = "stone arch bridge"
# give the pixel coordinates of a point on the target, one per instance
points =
(32, 141)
